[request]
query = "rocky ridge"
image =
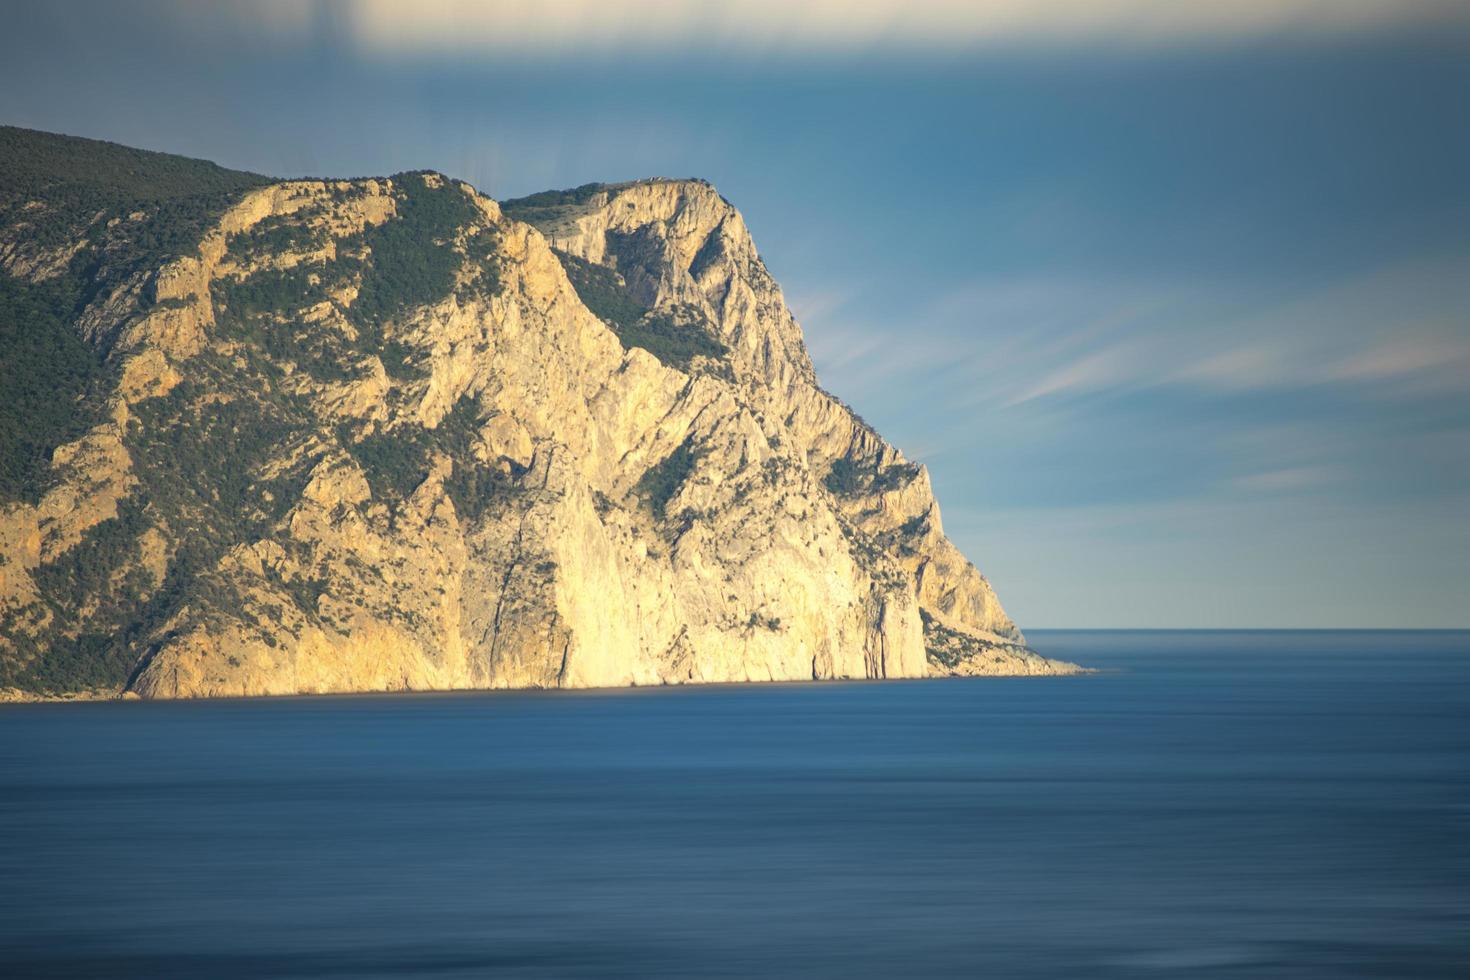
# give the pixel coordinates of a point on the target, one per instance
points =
(393, 435)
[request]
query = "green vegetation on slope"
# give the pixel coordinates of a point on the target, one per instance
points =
(201, 455)
(848, 478)
(410, 261)
(83, 183)
(86, 570)
(396, 462)
(103, 576)
(945, 646)
(45, 372)
(263, 310)
(201, 450)
(275, 235)
(57, 167)
(473, 485)
(675, 338)
(546, 206)
(221, 458)
(414, 258)
(130, 211)
(602, 291)
(94, 216)
(662, 481)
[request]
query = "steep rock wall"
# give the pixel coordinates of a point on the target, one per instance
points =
(314, 475)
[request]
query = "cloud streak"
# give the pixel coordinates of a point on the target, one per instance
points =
(1402, 331)
(516, 27)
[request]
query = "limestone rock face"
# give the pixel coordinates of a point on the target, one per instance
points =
(391, 435)
(679, 244)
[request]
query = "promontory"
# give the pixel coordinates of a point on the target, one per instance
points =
(267, 436)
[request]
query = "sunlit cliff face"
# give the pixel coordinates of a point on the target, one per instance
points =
(389, 434)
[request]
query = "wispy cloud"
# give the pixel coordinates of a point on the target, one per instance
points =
(1402, 331)
(1094, 371)
(1410, 363)
(1284, 480)
(993, 340)
(516, 27)
(1432, 358)
(1127, 389)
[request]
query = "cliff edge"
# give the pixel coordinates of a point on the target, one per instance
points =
(277, 437)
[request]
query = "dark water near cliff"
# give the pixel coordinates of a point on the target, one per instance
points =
(1225, 805)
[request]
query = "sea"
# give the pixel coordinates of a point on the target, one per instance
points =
(1208, 804)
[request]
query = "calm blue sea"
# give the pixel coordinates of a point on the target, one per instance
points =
(1255, 804)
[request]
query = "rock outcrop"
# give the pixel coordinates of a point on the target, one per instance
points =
(391, 435)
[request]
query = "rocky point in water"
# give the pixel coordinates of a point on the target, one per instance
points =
(285, 436)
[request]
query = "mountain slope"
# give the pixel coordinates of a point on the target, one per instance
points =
(381, 434)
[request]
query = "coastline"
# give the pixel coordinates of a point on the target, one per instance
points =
(10, 696)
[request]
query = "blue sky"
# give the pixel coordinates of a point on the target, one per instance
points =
(1173, 299)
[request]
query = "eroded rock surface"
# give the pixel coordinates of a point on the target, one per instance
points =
(391, 435)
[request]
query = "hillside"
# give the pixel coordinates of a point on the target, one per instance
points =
(266, 437)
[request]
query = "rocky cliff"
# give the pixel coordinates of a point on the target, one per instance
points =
(272, 437)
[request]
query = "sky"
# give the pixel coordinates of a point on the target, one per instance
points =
(1172, 299)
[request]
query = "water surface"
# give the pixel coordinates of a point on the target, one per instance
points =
(1289, 805)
